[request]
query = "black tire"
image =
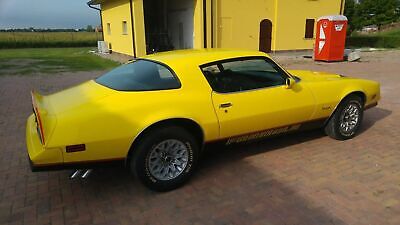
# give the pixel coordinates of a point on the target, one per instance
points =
(140, 163)
(336, 126)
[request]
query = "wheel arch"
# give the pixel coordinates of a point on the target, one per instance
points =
(360, 94)
(357, 93)
(189, 124)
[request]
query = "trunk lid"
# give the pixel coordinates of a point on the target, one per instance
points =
(46, 109)
(79, 95)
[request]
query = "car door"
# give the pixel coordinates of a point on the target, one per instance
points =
(250, 95)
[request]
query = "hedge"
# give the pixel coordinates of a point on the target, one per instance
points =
(374, 41)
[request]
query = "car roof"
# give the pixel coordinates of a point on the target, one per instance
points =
(198, 57)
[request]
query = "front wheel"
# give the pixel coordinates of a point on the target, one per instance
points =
(165, 158)
(346, 120)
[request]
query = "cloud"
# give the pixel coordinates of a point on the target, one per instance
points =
(46, 14)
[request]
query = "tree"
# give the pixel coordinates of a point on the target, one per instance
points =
(350, 12)
(371, 12)
(89, 28)
(379, 12)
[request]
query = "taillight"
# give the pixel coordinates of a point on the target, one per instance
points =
(39, 124)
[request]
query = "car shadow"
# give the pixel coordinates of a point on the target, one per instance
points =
(227, 189)
(373, 116)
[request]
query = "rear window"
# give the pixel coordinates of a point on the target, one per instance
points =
(141, 75)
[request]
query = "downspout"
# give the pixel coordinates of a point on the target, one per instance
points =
(275, 26)
(133, 29)
(205, 22)
(212, 24)
(101, 18)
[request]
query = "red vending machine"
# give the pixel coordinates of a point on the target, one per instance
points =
(331, 38)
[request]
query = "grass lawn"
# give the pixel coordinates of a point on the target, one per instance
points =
(394, 32)
(51, 60)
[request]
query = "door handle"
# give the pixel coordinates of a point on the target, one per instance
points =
(225, 105)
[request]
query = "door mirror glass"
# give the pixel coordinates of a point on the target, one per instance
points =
(290, 83)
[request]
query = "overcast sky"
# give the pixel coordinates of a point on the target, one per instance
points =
(47, 14)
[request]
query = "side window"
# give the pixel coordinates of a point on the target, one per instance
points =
(249, 65)
(141, 75)
(109, 28)
(243, 74)
(124, 28)
(309, 33)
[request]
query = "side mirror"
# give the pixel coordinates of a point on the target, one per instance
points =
(290, 83)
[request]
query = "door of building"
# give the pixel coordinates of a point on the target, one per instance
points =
(265, 35)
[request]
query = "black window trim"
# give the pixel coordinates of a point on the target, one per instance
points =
(286, 74)
(153, 61)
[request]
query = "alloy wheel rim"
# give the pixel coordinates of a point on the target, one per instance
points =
(168, 159)
(349, 119)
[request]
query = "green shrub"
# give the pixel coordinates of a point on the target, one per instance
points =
(386, 41)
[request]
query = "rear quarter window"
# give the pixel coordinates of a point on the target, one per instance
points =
(141, 75)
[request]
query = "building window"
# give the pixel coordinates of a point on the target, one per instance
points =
(309, 28)
(108, 28)
(124, 28)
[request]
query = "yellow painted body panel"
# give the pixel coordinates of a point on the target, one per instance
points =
(263, 109)
(329, 89)
(108, 121)
(37, 152)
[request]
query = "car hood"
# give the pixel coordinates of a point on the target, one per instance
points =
(307, 75)
(83, 94)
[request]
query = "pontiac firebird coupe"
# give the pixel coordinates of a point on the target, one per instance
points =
(156, 113)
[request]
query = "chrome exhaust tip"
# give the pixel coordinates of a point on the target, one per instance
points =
(75, 174)
(86, 174)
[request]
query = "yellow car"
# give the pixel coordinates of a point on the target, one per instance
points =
(156, 113)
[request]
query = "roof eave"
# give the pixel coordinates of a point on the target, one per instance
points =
(95, 2)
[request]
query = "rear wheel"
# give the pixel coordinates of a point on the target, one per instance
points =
(346, 120)
(165, 158)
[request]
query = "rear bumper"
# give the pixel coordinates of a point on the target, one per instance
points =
(39, 168)
(47, 159)
(39, 155)
(77, 165)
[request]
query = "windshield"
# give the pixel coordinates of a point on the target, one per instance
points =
(141, 75)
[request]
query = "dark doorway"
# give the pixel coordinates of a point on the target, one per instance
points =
(169, 24)
(265, 35)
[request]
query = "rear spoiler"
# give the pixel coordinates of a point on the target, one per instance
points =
(37, 102)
